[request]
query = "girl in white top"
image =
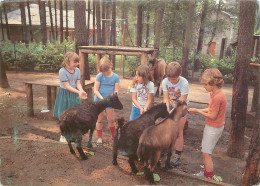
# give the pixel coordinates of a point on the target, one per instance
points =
(142, 91)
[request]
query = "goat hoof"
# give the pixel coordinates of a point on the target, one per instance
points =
(114, 162)
(89, 145)
(84, 157)
(72, 152)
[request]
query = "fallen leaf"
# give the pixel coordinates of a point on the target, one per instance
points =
(156, 177)
(89, 152)
(139, 173)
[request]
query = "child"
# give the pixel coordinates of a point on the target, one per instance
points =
(215, 117)
(175, 87)
(70, 90)
(106, 83)
(142, 91)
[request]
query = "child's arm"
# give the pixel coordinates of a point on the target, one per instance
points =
(134, 96)
(149, 101)
(82, 94)
(116, 90)
(166, 99)
(96, 90)
(204, 112)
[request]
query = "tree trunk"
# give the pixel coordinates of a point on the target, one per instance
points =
(147, 28)
(67, 21)
(214, 32)
(23, 21)
(201, 34)
(223, 44)
(256, 79)
(94, 22)
(139, 26)
(43, 21)
(6, 21)
(158, 28)
(3, 81)
(88, 20)
(103, 40)
(30, 20)
(108, 25)
(99, 40)
(51, 20)
(80, 29)
(1, 22)
(240, 85)
(113, 31)
(187, 39)
(61, 21)
(56, 23)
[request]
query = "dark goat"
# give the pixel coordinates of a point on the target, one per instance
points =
(127, 136)
(157, 70)
(158, 138)
(75, 122)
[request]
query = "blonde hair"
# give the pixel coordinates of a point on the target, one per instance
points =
(144, 71)
(213, 77)
(69, 56)
(173, 69)
(105, 64)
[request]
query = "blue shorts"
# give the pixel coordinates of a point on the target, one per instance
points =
(97, 99)
(134, 113)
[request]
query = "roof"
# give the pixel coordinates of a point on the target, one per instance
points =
(14, 17)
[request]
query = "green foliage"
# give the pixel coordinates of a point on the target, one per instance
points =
(92, 60)
(34, 55)
(132, 62)
(226, 65)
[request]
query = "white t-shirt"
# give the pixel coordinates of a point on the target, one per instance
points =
(175, 91)
(142, 92)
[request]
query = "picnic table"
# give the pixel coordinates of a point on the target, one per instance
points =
(51, 84)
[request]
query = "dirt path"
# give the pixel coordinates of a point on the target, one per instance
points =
(31, 154)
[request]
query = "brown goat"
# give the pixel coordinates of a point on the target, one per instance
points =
(157, 71)
(158, 138)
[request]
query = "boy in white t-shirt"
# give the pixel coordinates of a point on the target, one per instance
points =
(142, 91)
(175, 87)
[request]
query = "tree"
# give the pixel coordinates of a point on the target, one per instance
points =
(201, 33)
(158, 28)
(139, 31)
(43, 21)
(147, 26)
(67, 21)
(99, 39)
(61, 21)
(113, 31)
(240, 83)
(80, 29)
(56, 24)
(3, 81)
(94, 22)
(187, 39)
(103, 22)
(51, 20)
(216, 24)
(30, 20)
(1, 22)
(23, 21)
(6, 21)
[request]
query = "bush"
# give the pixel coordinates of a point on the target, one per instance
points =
(132, 62)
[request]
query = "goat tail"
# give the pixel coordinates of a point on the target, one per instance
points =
(141, 151)
(62, 127)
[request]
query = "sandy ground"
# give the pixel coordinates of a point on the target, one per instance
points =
(30, 153)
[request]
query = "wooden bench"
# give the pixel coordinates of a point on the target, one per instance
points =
(51, 84)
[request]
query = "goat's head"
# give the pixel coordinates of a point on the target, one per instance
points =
(182, 107)
(162, 108)
(114, 102)
(153, 61)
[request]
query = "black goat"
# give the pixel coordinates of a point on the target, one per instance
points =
(127, 136)
(75, 122)
(158, 138)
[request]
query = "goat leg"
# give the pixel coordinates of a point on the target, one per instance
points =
(150, 175)
(71, 149)
(115, 147)
(90, 138)
(79, 148)
(167, 163)
(131, 162)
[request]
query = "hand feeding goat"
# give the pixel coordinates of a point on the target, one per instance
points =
(75, 122)
(158, 138)
(127, 135)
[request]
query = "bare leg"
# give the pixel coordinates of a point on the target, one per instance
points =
(99, 124)
(208, 163)
(180, 141)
